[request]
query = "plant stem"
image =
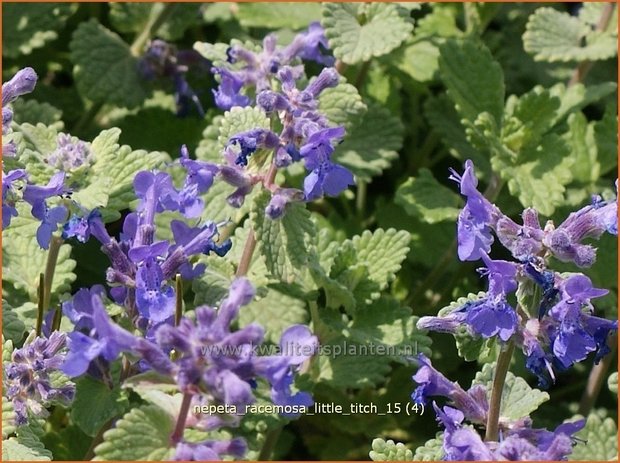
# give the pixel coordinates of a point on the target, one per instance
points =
(179, 299)
(50, 268)
(179, 428)
(90, 453)
(501, 369)
(40, 304)
(156, 20)
(57, 319)
(270, 442)
(361, 76)
(360, 197)
(597, 378)
(580, 72)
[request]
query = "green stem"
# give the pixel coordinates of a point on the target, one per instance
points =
(360, 197)
(87, 118)
(597, 378)
(580, 72)
(501, 370)
(57, 319)
(179, 299)
(270, 442)
(40, 304)
(50, 268)
(361, 76)
(156, 20)
(179, 428)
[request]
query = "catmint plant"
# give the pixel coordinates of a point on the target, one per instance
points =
(252, 231)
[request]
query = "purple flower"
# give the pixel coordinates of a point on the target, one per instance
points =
(105, 339)
(473, 404)
(565, 242)
(308, 46)
(70, 153)
(199, 179)
(22, 83)
(279, 200)
(79, 226)
(80, 309)
(9, 194)
(228, 93)
(155, 300)
(34, 194)
(325, 177)
(476, 219)
(50, 219)
(210, 450)
(28, 383)
(252, 140)
(523, 241)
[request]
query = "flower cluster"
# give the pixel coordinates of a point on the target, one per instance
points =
(163, 61)
(563, 330)
(461, 442)
(255, 70)
(29, 377)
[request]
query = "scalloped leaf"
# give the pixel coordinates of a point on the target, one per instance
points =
(110, 75)
(553, 35)
(95, 404)
(13, 328)
(342, 105)
(358, 32)
(142, 434)
(598, 440)
(424, 197)
(278, 15)
(133, 17)
(27, 27)
(432, 450)
(383, 450)
(26, 446)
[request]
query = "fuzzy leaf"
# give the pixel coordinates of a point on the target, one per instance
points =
(133, 17)
(342, 105)
(23, 259)
(26, 446)
(518, 398)
(278, 15)
(142, 434)
(275, 312)
(474, 79)
(283, 242)
(13, 327)
(111, 74)
(95, 404)
(552, 35)
(372, 145)
(598, 440)
(432, 450)
(357, 31)
(424, 197)
(389, 451)
(26, 27)
(612, 383)
(8, 417)
(33, 112)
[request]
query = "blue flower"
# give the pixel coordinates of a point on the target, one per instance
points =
(105, 339)
(28, 382)
(210, 450)
(21, 83)
(79, 226)
(50, 219)
(70, 153)
(250, 141)
(9, 194)
(476, 219)
(228, 95)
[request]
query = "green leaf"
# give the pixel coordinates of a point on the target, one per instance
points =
(116, 166)
(540, 178)
(357, 32)
(518, 398)
(278, 15)
(474, 79)
(95, 404)
(612, 383)
(12, 327)
(578, 96)
(552, 35)
(33, 112)
(23, 259)
(382, 251)
(580, 135)
(26, 27)
(432, 450)
(372, 145)
(425, 198)
(142, 434)
(133, 17)
(8, 417)
(605, 132)
(283, 242)
(341, 367)
(275, 312)
(342, 105)
(389, 451)
(598, 441)
(111, 74)
(240, 120)
(26, 446)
